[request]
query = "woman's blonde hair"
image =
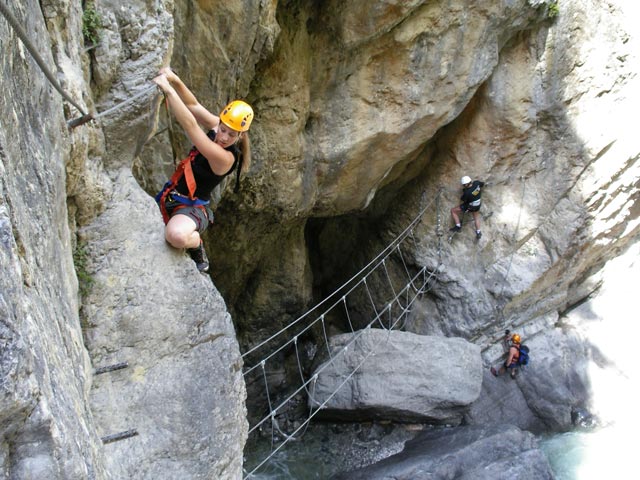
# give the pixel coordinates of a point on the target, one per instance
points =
(244, 158)
(245, 149)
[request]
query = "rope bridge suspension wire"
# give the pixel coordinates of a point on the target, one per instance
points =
(376, 318)
(411, 291)
(348, 286)
(311, 381)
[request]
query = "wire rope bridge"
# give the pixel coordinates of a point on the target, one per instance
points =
(390, 314)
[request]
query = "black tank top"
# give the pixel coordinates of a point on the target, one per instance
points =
(206, 179)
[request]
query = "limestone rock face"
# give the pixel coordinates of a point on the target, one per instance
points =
(403, 376)
(46, 425)
(356, 83)
(183, 390)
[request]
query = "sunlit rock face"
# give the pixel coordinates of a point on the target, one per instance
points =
(354, 91)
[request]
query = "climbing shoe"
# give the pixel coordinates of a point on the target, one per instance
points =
(478, 235)
(493, 372)
(513, 374)
(457, 228)
(199, 256)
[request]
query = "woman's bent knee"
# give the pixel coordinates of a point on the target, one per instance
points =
(180, 232)
(176, 239)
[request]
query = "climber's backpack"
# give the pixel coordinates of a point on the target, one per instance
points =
(523, 359)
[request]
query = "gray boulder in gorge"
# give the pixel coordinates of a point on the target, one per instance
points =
(492, 453)
(183, 391)
(406, 377)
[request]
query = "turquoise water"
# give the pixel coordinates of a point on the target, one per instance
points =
(607, 453)
(566, 453)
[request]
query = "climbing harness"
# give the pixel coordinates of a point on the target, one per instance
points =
(168, 191)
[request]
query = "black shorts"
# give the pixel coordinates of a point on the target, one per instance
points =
(202, 215)
(466, 208)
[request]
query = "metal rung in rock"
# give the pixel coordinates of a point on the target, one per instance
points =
(119, 436)
(111, 368)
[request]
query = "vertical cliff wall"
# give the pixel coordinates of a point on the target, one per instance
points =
(46, 425)
(144, 304)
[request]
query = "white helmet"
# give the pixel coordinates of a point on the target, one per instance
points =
(464, 180)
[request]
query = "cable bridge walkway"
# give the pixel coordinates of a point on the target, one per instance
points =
(390, 314)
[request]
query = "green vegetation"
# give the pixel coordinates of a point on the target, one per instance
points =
(554, 9)
(85, 279)
(91, 24)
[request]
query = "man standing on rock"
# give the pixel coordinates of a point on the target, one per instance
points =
(470, 203)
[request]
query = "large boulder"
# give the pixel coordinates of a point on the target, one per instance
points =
(405, 377)
(183, 391)
(499, 452)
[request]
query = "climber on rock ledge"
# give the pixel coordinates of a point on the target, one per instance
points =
(216, 153)
(471, 192)
(513, 355)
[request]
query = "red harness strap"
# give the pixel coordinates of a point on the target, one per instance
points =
(183, 169)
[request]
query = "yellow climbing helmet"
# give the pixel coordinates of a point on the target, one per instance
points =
(237, 116)
(515, 338)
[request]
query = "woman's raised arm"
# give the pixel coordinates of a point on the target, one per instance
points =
(203, 116)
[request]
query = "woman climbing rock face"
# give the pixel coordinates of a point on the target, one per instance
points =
(218, 150)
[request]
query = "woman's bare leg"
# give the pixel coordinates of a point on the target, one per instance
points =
(181, 232)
